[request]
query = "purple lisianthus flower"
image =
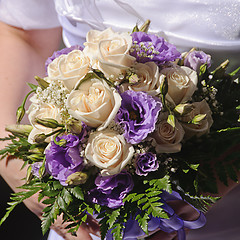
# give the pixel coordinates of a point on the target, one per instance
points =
(56, 54)
(195, 59)
(62, 161)
(149, 47)
(145, 163)
(111, 190)
(138, 115)
(35, 169)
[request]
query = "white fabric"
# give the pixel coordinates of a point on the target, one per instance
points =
(29, 14)
(212, 25)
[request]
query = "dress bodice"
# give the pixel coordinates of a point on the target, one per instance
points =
(212, 25)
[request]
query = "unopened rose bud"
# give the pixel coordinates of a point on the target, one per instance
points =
(41, 82)
(18, 129)
(74, 126)
(77, 178)
(40, 138)
(20, 114)
(47, 122)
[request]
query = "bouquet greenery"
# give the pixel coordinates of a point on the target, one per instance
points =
(123, 127)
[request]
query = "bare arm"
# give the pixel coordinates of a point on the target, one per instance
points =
(23, 54)
(22, 57)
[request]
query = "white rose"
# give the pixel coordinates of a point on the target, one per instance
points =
(108, 151)
(94, 102)
(147, 75)
(166, 138)
(69, 68)
(109, 51)
(41, 111)
(182, 83)
(204, 125)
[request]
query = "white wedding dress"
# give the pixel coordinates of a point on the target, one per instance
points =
(211, 25)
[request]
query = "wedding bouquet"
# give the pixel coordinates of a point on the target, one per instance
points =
(121, 128)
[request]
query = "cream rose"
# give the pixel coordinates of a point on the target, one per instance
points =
(147, 79)
(182, 83)
(94, 102)
(69, 68)
(166, 138)
(108, 151)
(41, 111)
(204, 125)
(109, 51)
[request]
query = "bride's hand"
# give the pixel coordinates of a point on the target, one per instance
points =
(90, 226)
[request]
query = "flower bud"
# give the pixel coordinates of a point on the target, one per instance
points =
(29, 174)
(20, 114)
(145, 26)
(77, 178)
(198, 118)
(36, 157)
(183, 108)
(133, 78)
(37, 150)
(40, 138)
(41, 82)
(74, 126)
(220, 70)
(47, 122)
(17, 129)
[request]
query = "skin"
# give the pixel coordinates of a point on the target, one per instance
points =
(23, 54)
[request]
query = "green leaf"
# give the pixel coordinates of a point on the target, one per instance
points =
(67, 197)
(129, 197)
(77, 192)
(117, 231)
(113, 217)
(62, 204)
(141, 201)
(57, 185)
(46, 224)
(235, 72)
(49, 201)
(194, 166)
(137, 197)
(162, 184)
(145, 206)
(84, 218)
(143, 222)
